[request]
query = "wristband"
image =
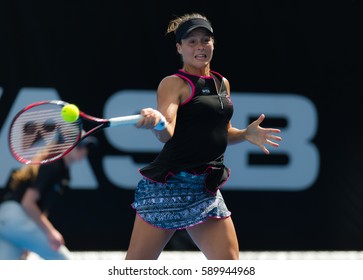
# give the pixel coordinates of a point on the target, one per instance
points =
(162, 123)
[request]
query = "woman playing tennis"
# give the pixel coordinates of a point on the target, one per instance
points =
(180, 189)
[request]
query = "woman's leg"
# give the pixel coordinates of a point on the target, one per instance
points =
(147, 241)
(216, 238)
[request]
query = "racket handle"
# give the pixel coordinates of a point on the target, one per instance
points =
(125, 120)
(134, 119)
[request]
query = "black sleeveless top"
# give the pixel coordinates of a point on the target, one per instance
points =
(200, 137)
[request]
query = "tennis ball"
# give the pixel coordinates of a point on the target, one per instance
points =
(70, 113)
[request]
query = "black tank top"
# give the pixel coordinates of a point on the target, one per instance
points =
(200, 137)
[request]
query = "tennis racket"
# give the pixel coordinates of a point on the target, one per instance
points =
(39, 134)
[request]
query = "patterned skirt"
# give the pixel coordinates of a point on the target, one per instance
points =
(181, 202)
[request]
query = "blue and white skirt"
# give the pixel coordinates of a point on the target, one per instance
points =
(181, 202)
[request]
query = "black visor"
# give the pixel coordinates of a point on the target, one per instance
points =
(186, 27)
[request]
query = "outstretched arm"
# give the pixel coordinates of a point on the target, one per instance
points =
(255, 134)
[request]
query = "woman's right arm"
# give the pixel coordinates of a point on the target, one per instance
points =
(170, 93)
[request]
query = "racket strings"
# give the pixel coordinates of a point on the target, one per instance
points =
(41, 132)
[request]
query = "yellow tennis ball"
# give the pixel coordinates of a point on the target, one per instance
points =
(70, 113)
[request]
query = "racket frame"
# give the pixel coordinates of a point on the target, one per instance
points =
(100, 123)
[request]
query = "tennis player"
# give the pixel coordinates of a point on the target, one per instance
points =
(180, 189)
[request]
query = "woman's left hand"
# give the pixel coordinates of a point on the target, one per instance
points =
(260, 136)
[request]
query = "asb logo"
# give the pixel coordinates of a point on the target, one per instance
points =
(299, 172)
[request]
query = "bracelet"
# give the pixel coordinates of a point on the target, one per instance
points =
(162, 123)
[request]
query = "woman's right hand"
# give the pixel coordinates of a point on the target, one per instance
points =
(151, 118)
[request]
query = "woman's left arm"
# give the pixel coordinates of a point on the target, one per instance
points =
(254, 133)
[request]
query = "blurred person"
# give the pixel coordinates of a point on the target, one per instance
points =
(180, 189)
(32, 192)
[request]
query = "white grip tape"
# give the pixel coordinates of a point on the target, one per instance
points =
(162, 123)
(125, 120)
